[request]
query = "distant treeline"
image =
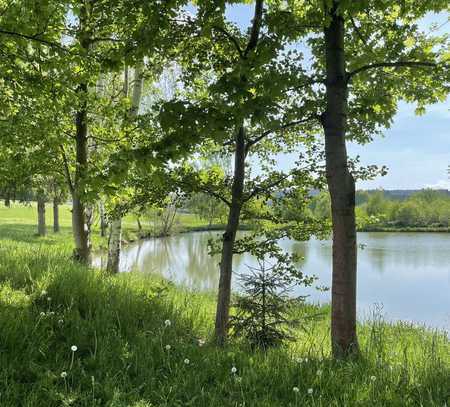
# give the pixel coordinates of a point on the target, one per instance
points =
(391, 209)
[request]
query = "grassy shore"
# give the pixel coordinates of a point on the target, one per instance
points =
(127, 355)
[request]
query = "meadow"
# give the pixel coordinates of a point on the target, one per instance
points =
(74, 336)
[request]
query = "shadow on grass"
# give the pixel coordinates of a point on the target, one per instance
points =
(25, 233)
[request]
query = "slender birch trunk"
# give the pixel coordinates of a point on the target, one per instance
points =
(103, 221)
(114, 246)
(342, 190)
(115, 234)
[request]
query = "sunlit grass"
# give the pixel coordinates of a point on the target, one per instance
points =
(128, 355)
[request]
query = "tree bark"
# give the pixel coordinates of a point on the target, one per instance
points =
(81, 232)
(42, 229)
(229, 238)
(139, 224)
(115, 236)
(103, 221)
(341, 186)
(114, 246)
(82, 251)
(55, 215)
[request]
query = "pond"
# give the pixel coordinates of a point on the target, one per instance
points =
(403, 276)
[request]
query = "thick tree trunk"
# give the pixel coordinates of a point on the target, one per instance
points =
(229, 237)
(42, 229)
(342, 190)
(82, 251)
(114, 246)
(80, 226)
(55, 215)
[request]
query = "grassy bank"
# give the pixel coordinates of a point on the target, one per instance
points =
(49, 304)
(427, 229)
(20, 221)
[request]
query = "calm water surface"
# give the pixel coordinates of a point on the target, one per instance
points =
(406, 275)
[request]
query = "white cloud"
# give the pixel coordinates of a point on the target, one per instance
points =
(441, 184)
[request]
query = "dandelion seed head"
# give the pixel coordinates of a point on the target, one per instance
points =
(63, 375)
(373, 378)
(74, 348)
(295, 389)
(187, 361)
(42, 314)
(319, 373)
(167, 323)
(310, 391)
(168, 347)
(233, 370)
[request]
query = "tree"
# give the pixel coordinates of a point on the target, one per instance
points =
(366, 57)
(240, 100)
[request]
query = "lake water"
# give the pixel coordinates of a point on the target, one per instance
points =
(405, 276)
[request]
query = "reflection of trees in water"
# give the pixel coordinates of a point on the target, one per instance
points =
(202, 270)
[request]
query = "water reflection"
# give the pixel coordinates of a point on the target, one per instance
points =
(408, 273)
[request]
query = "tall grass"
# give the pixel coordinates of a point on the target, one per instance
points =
(128, 355)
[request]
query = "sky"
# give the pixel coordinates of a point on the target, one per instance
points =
(416, 149)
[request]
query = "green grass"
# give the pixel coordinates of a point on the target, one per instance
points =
(48, 304)
(20, 223)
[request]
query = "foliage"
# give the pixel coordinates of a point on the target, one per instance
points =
(264, 309)
(425, 209)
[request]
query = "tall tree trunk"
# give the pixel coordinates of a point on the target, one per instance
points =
(42, 229)
(82, 251)
(81, 232)
(55, 215)
(342, 191)
(7, 200)
(114, 246)
(229, 238)
(115, 236)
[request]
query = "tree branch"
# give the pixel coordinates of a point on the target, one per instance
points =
(32, 38)
(66, 168)
(283, 127)
(231, 38)
(267, 187)
(256, 27)
(216, 195)
(397, 64)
